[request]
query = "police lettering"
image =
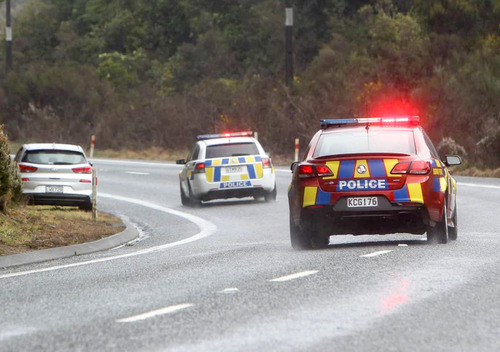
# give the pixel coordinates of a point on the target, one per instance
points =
(359, 185)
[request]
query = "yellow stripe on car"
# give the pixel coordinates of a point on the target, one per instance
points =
(258, 170)
(389, 165)
(365, 174)
(309, 196)
(334, 168)
(209, 171)
(415, 192)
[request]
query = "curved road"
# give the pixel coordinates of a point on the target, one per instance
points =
(223, 277)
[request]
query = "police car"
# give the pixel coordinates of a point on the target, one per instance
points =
(371, 176)
(225, 166)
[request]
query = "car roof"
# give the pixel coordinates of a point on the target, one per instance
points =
(228, 140)
(54, 146)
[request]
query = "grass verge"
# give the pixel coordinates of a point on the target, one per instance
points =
(29, 228)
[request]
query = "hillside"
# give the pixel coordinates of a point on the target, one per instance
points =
(154, 73)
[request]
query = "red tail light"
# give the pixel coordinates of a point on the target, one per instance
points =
(266, 163)
(418, 167)
(200, 167)
(401, 168)
(26, 168)
(25, 179)
(82, 170)
(85, 181)
(306, 171)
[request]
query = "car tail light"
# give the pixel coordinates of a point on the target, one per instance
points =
(323, 171)
(266, 163)
(420, 167)
(25, 179)
(85, 181)
(26, 168)
(401, 168)
(82, 170)
(200, 167)
(306, 171)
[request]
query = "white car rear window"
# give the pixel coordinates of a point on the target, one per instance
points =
(54, 157)
(233, 149)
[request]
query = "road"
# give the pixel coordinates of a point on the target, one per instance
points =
(223, 277)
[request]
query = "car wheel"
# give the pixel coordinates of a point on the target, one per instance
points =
(453, 231)
(184, 198)
(87, 206)
(270, 196)
(298, 238)
(439, 233)
(193, 201)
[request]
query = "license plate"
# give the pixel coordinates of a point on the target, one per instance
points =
(232, 170)
(53, 189)
(235, 184)
(362, 202)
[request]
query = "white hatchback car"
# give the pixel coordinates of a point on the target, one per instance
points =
(55, 174)
(229, 165)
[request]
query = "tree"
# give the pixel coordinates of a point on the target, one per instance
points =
(10, 181)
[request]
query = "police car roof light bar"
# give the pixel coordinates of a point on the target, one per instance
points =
(393, 120)
(225, 135)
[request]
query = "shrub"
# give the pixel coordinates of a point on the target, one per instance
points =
(10, 181)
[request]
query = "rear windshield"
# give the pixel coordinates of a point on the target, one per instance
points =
(365, 142)
(234, 149)
(54, 157)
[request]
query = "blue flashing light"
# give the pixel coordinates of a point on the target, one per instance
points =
(384, 121)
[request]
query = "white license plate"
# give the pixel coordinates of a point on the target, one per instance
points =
(232, 170)
(362, 202)
(53, 189)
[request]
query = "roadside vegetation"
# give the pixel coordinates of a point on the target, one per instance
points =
(154, 74)
(30, 228)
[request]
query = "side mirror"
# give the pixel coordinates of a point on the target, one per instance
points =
(294, 166)
(181, 161)
(452, 160)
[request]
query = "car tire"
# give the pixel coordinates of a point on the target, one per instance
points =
(439, 233)
(453, 231)
(87, 206)
(298, 238)
(195, 202)
(184, 198)
(270, 196)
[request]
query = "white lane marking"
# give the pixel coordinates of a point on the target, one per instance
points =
(131, 162)
(477, 185)
(137, 173)
(154, 313)
(230, 290)
(374, 254)
(207, 229)
(402, 245)
(295, 276)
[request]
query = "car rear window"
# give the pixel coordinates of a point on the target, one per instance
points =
(54, 157)
(365, 142)
(233, 149)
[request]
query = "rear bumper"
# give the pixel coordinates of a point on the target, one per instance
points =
(57, 199)
(385, 219)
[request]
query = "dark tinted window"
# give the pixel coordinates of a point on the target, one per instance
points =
(234, 149)
(366, 141)
(54, 157)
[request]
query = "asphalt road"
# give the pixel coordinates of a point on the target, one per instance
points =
(223, 277)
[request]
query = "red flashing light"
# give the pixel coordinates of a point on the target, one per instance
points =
(26, 168)
(82, 170)
(227, 134)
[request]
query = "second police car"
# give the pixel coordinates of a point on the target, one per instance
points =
(225, 166)
(371, 176)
